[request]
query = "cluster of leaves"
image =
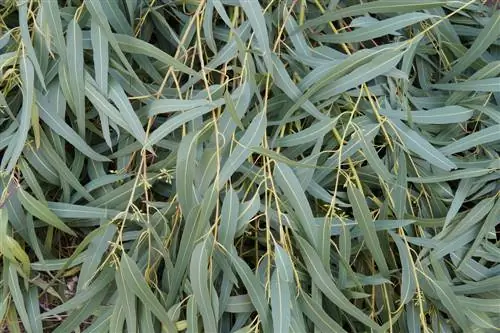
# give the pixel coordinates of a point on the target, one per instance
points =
(243, 165)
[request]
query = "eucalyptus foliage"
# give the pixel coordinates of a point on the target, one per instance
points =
(249, 166)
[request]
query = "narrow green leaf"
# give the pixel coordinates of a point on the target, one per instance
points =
(192, 230)
(100, 56)
(326, 284)
(289, 184)
(168, 105)
(450, 302)
(117, 319)
(31, 180)
(128, 301)
(446, 115)
(17, 296)
(174, 123)
(252, 137)
(363, 216)
(255, 290)
(345, 250)
(285, 160)
(465, 231)
(96, 288)
(64, 172)
(240, 304)
(128, 114)
(16, 146)
(284, 265)
(473, 217)
(416, 143)
(97, 12)
(334, 73)
(25, 35)
(76, 318)
(146, 322)
(208, 26)
(374, 7)
(192, 316)
(53, 15)
(38, 209)
(484, 136)
(485, 85)
(309, 134)
(233, 112)
(492, 69)
(229, 217)
(375, 30)
(199, 276)
(248, 209)
(255, 15)
(408, 281)
(185, 166)
(374, 160)
(61, 128)
(285, 83)
(33, 309)
(486, 37)
(70, 211)
(318, 316)
(459, 198)
(133, 45)
(116, 18)
(96, 249)
(480, 304)
(15, 254)
(136, 283)
(119, 197)
(379, 65)
(480, 319)
(101, 103)
(75, 70)
(453, 175)
(280, 304)
(488, 225)
(101, 323)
